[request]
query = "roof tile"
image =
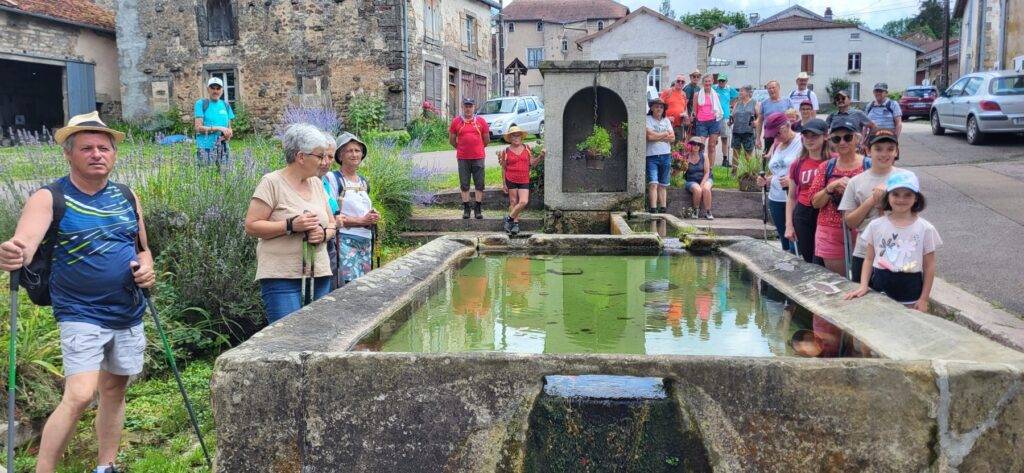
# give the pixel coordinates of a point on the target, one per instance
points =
(796, 23)
(75, 11)
(563, 11)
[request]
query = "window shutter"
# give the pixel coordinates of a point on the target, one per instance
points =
(807, 63)
(462, 26)
(202, 22)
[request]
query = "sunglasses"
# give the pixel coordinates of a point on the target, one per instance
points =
(680, 81)
(837, 138)
(215, 87)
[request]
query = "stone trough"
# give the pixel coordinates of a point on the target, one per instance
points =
(296, 397)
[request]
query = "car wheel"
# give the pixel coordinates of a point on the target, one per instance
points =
(540, 130)
(974, 135)
(937, 129)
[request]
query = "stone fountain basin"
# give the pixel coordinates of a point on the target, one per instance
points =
(294, 398)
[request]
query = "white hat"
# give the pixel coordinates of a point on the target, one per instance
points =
(802, 75)
(86, 122)
(215, 81)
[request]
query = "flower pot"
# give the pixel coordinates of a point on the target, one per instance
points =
(594, 160)
(748, 184)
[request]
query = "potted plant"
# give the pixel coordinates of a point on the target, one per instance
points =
(748, 166)
(597, 147)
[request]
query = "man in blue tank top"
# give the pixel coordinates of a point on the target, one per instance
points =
(100, 239)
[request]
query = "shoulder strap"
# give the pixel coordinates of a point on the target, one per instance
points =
(830, 167)
(129, 196)
(206, 105)
(59, 206)
(227, 105)
(889, 103)
(867, 162)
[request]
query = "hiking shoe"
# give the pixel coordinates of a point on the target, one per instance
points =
(106, 469)
(508, 224)
(515, 228)
(707, 215)
(465, 210)
(662, 210)
(478, 210)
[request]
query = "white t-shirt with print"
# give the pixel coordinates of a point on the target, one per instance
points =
(782, 158)
(656, 148)
(901, 249)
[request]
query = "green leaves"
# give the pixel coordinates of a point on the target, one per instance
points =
(598, 144)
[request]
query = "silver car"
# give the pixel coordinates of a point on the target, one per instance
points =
(981, 103)
(503, 112)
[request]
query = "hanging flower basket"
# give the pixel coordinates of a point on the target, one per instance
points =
(597, 147)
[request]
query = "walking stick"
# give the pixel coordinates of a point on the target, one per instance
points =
(373, 247)
(177, 375)
(12, 369)
(847, 257)
(302, 279)
(764, 208)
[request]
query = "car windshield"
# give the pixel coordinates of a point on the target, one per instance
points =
(919, 93)
(492, 107)
(1012, 85)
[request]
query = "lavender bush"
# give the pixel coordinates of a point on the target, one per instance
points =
(319, 115)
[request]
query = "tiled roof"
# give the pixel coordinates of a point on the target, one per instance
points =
(564, 11)
(82, 12)
(643, 11)
(936, 45)
(795, 23)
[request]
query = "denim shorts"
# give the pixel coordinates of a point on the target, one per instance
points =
(744, 141)
(708, 128)
(659, 169)
(220, 154)
(87, 347)
(284, 296)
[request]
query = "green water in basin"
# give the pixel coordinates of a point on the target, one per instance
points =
(679, 304)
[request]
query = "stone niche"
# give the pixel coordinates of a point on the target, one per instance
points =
(572, 180)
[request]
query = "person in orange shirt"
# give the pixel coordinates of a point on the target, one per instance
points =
(675, 101)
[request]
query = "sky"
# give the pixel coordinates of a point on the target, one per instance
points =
(874, 13)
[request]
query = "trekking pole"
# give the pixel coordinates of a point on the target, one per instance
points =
(12, 369)
(177, 375)
(302, 280)
(847, 258)
(337, 258)
(373, 247)
(764, 207)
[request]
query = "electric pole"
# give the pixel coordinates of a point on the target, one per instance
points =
(944, 79)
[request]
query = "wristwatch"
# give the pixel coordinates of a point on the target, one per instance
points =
(288, 226)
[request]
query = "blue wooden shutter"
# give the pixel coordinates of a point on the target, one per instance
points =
(81, 88)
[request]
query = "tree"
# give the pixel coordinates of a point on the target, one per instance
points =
(708, 19)
(666, 9)
(837, 84)
(930, 16)
(849, 21)
(898, 28)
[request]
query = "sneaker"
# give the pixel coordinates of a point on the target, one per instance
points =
(707, 215)
(652, 210)
(515, 228)
(106, 469)
(478, 210)
(662, 210)
(508, 224)
(465, 210)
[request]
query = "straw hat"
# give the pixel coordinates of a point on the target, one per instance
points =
(86, 122)
(696, 140)
(512, 130)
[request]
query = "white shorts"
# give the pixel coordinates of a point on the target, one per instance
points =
(725, 129)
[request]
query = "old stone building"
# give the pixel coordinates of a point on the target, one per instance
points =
(57, 59)
(274, 52)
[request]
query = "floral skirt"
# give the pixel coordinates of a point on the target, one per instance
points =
(354, 258)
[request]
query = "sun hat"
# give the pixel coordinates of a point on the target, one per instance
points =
(882, 135)
(215, 81)
(816, 126)
(843, 123)
(512, 130)
(774, 123)
(344, 139)
(86, 122)
(882, 86)
(903, 179)
(802, 75)
(696, 139)
(696, 72)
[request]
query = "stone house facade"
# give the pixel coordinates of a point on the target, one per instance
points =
(279, 52)
(537, 30)
(57, 59)
(646, 34)
(991, 34)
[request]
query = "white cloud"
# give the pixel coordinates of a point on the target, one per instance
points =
(874, 13)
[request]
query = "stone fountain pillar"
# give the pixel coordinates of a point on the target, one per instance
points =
(574, 182)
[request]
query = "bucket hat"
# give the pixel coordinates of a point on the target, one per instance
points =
(344, 139)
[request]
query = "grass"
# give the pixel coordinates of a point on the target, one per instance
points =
(723, 178)
(492, 177)
(444, 146)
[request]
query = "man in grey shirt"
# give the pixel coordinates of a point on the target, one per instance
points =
(843, 105)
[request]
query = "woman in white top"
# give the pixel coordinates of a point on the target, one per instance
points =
(787, 148)
(659, 156)
(357, 217)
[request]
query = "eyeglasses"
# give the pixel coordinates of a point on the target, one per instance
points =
(322, 157)
(839, 99)
(837, 138)
(680, 81)
(215, 87)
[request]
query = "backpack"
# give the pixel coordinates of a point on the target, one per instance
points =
(37, 280)
(206, 105)
(476, 125)
(830, 167)
(334, 178)
(888, 105)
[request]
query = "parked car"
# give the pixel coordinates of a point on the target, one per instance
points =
(917, 100)
(503, 112)
(981, 103)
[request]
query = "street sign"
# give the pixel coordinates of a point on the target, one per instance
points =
(516, 67)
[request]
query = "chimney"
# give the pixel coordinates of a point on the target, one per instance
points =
(754, 18)
(828, 13)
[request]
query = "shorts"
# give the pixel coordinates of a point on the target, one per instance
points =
(725, 130)
(691, 184)
(516, 185)
(87, 347)
(904, 288)
(744, 141)
(828, 242)
(471, 168)
(659, 169)
(708, 128)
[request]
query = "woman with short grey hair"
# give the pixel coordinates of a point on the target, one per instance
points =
(290, 215)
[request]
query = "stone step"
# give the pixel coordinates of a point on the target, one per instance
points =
(492, 223)
(750, 227)
(426, 237)
(494, 199)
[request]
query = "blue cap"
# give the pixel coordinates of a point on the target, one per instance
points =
(903, 179)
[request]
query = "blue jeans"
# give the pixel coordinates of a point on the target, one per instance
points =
(284, 296)
(220, 155)
(778, 213)
(659, 169)
(708, 128)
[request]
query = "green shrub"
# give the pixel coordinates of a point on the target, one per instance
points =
(242, 124)
(394, 181)
(397, 137)
(38, 360)
(366, 113)
(429, 129)
(896, 95)
(599, 143)
(836, 84)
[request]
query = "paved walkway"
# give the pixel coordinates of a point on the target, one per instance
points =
(445, 161)
(976, 201)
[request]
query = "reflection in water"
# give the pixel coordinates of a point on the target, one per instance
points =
(703, 305)
(657, 226)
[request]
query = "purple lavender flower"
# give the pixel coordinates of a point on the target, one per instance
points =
(321, 116)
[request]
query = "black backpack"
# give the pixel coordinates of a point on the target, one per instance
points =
(36, 279)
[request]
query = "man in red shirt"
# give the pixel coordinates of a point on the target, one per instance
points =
(675, 103)
(469, 135)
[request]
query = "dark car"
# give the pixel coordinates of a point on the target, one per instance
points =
(917, 100)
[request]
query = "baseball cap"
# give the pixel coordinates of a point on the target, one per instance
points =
(902, 179)
(882, 86)
(840, 92)
(816, 126)
(773, 123)
(882, 135)
(807, 102)
(843, 123)
(468, 101)
(215, 81)
(723, 77)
